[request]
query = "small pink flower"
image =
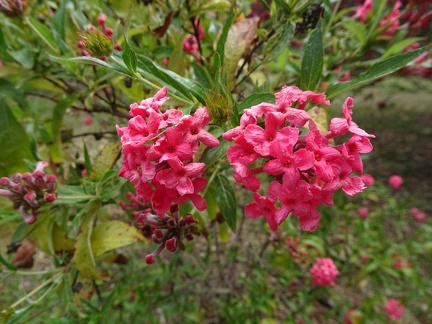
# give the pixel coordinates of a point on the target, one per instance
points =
(363, 212)
(101, 20)
(419, 216)
(394, 309)
(364, 258)
(395, 181)
(88, 121)
(368, 180)
(324, 272)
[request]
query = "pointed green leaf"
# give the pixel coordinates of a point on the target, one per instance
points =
(313, 60)
(226, 200)
(105, 160)
(129, 58)
(254, 99)
(12, 156)
(214, 154)
(113, 234)
(68, 194)
(84, 258)
(43, 32)
(378, 70)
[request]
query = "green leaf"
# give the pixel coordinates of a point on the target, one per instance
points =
(8, 90)
(87, 162)
(226, 200)
(57, 122)
(279, 42)
(23, 56)
(84, 258)
(214, 154)
(376, 71)
(12, 156)
(175, 82)
(129, 58)
(94, 61)
(203, 76)
(399, 46)
(113, 234)
(43, 32)
(220, 53)
(128, 55)
(358, 29)
(254, 99)
(105, 160)
(59, 28)
(210, 5)
(313, 60)
(68, 194)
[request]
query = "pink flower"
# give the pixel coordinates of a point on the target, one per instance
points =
(88, 121)
(363, 10)
(263, 206)
(395, 181)
(419, 216)
(324, 272)
(391, 21)
(363, 212)
(368, 180)
(394, 309)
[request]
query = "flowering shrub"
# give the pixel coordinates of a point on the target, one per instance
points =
(230, 119)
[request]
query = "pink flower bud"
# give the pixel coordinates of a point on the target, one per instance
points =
(4, 182)
(6, 193)
(171, 244)
(171, 223)
(189, 236)
(30, 198)
(117, 47)
(395, 181)
(80, 44)
(149, 259)
(101, 20)
(363, 212)
(28, 218)
(41, 165)
(88, 121)
(49, 197)
(17, 177)
(38, 174)
(108, 31)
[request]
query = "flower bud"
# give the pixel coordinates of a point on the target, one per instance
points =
(101, 20)
(189, 236)
(171, 223)
(97, 43)
(49, 197)
(13, 8)
(108, 31)
(171, 244)
(149, 259)
(28, 218)
(30, 198)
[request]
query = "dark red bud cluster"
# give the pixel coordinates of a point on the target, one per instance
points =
(29, 191)
(168, 231)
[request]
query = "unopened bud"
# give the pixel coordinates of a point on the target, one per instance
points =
(189, 236)
(171, 223)
(30, 198)
(17, 177)
(49, 197)
(171, 244)
(101, 20)
(6, 193)
(28, 218)
(38, 174)
(13, 8)
(4, 182)
(108, 31)
(41, 165)
(149, 259)
(182, 223)
(117, 47)
(190, 220)
(97, 43)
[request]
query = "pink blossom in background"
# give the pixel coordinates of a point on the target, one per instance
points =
(392, 21)
(419, 216)
(88, 121)
(394, 309)
(363, 212)
(368, 180)
(395, 181)
(363, 10)
(324, 272)
(401, 263)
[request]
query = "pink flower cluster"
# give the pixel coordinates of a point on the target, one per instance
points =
(305, 166)
(324, 272)
(29, 191)
(158, 149)
(394, 309)
(419, 215)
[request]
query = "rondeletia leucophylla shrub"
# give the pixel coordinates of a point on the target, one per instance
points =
(305, 165)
